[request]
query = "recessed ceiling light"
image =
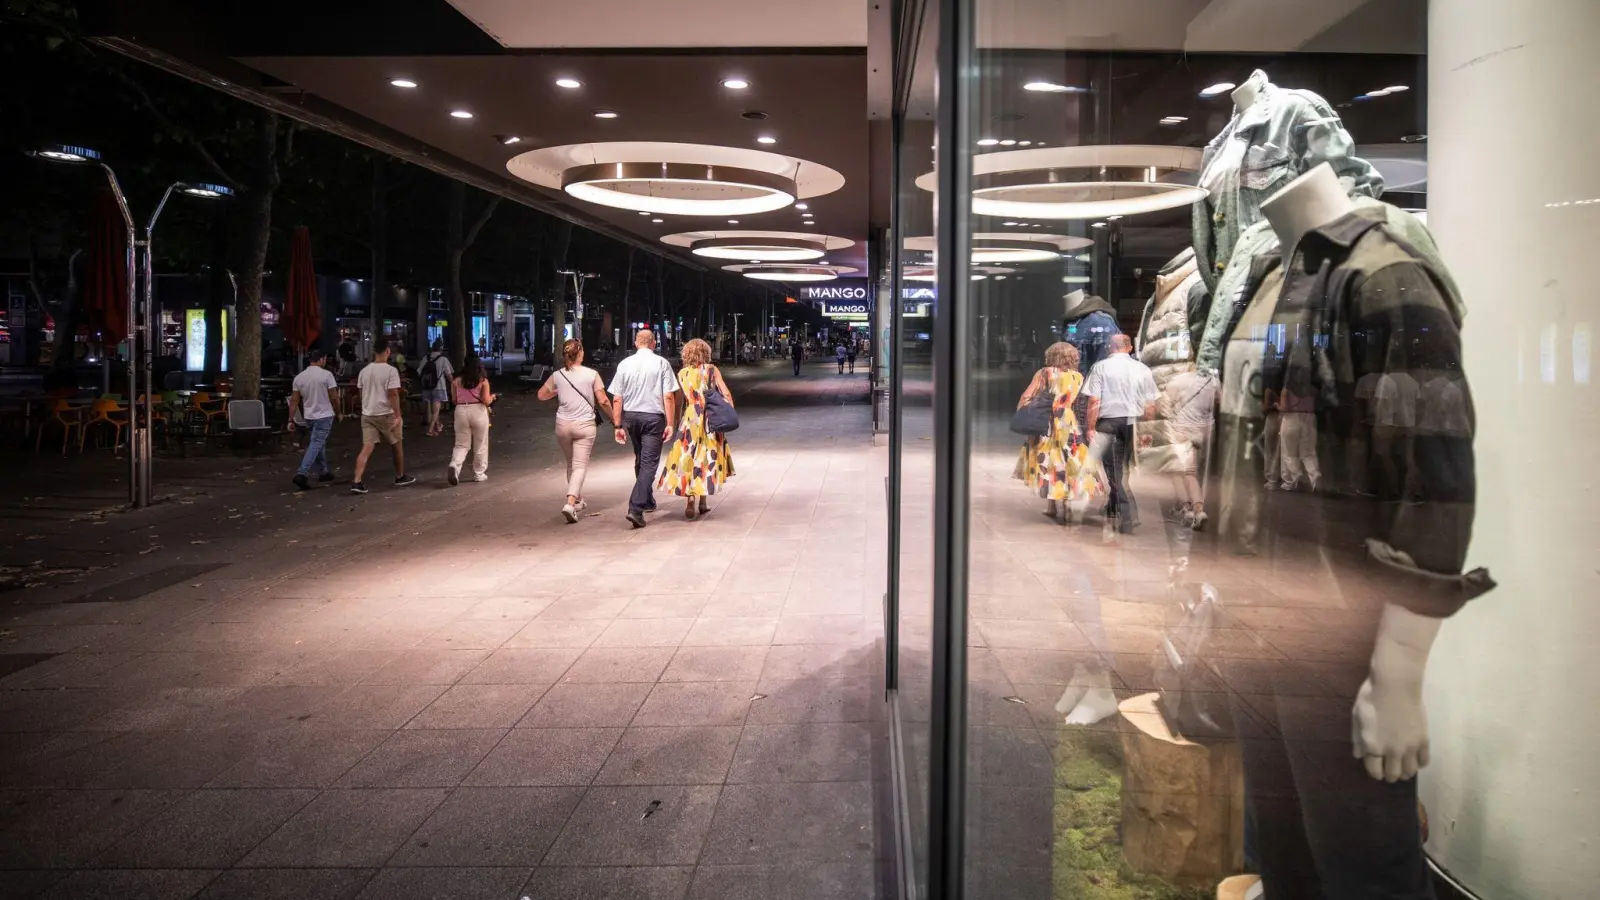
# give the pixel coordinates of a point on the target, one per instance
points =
(1008, 224)
(988, 142)
(402, 82)
(805, 215)
(801, 206)
(735, 84)
(569, 83)
(1024, 143)
(604, 114)
(1377, 94)
(1097, 224)
(1396, 88)
(1008, 142)
(1174, 120)
(1050, 87)
(644, 214)
(460, 114)
(766, 139)
(1112, 218)
(657, 221)
(1220, 87)
(811, 222)
(733, 221)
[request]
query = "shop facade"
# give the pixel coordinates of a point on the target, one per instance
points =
(1349, 539)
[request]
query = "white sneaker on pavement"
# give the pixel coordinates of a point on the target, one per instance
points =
(480, 477)
(571, 512)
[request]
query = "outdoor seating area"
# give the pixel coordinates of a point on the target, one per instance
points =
(67, 420)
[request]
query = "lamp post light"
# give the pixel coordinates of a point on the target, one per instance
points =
(143, 330)
(578, 280)
(737, 340)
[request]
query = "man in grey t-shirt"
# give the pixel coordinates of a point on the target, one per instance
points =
(645, 389)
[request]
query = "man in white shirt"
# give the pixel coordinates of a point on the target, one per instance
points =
(1121, 391)
(312, 400)
(381, 396)
(645, 389)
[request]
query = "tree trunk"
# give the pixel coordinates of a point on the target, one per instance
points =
(256, 208)
(379, 295)
(457, 240)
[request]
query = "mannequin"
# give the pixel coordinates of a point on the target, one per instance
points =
(1244, 96)
(1389, 725)
(1073, 300)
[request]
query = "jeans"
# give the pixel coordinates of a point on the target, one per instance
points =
(644, 432)
(472, 431)
(577, 442)
(317, 448)
(797, 367)
(1118, 433)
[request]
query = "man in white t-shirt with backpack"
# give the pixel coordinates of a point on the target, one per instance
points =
(435, 376)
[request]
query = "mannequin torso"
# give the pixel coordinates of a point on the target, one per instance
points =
(1074, 300)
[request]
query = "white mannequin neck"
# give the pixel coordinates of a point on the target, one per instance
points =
(1244, 96)
(1310, 201)
(1074, 300)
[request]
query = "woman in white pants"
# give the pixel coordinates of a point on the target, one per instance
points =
(583, 398)
(473, 396)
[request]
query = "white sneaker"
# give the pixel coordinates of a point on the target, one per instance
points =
(480, 477)
(570, 512)
(582, 505)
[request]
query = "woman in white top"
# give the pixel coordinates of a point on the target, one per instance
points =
(583, 399)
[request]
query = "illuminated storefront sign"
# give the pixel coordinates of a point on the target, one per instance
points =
(838, 289)
(194, 340)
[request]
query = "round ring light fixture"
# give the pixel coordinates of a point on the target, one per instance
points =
(793, 272)
(1010, 247)
(667, 178)
(760, 249)
(931, 273)
(680, 188)
(1089, 182)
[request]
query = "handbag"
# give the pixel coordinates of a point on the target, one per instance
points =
(598, 419)
(1176, 458)
(720, 414)
(1193, 695)
(1034, 417)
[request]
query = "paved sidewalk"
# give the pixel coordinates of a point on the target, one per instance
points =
(432, 692)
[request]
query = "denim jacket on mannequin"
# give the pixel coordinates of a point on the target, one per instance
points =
(1286, 133)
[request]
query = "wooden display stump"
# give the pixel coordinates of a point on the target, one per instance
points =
(1182, 802)
(1237, 887)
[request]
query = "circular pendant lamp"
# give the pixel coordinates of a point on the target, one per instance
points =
(1089, 182)
(676, 179)
(795, 272)
(774, 249)
(1006, 247)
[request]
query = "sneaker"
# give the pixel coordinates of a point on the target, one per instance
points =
(326, 477)
(571, 512)
(650, 508)
(636, 518)
(1272, 485)
(453, 476)
(403, 480)
(480, 477)
(358, 487)
(582, 505)
(302, 482)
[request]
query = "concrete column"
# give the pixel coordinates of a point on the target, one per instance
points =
(1513, 123)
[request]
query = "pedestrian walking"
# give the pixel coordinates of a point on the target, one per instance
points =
(643, 413)
(1189, 405)
(797, 352)
(583, 402)
(312, 400)
(1121, 391)
(698, 462)
(839, 354)
(381, 395)
(473, 398)
(436, 375)
(1297, 431)
(1055, 465)
(851, 349)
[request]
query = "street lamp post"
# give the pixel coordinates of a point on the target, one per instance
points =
(736, 353)
(578, 280)
(143, 328)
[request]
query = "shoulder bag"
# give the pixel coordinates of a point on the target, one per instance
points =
(1034, 417)
(1194, 697)
(720, 415)
(598, 418)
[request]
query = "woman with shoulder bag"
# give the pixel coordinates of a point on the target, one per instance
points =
(583, 401)
(1055, 463)
(697, 459)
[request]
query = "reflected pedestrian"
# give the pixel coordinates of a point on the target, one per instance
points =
(1056, 465)
(1121, 391)
(797, 352)
(583, 401)
(473, 398)
(839, 354)
(697, 460)
(850, 355)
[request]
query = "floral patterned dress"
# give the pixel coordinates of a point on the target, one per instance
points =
(697, 461)
(1056, 465)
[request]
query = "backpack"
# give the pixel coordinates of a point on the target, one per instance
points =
(430, 374)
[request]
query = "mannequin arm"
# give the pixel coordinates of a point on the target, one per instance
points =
(1389, 724)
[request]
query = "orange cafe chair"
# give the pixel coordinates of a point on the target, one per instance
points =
(105, 412)
(65, 416)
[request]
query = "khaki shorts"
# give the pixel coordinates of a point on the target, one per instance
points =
(380, 430)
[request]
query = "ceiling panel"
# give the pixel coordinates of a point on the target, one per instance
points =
(815, 105)
(682, 23)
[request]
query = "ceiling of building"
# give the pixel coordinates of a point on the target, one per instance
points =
(682, 23)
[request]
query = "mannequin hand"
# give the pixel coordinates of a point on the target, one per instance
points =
(1389, 726)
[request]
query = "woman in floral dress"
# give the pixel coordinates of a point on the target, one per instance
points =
(1056, 466)
(697, 461)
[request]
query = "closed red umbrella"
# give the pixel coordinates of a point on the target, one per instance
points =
(302, 310)
(105, 295)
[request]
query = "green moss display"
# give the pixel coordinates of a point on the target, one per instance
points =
(1087, 861)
